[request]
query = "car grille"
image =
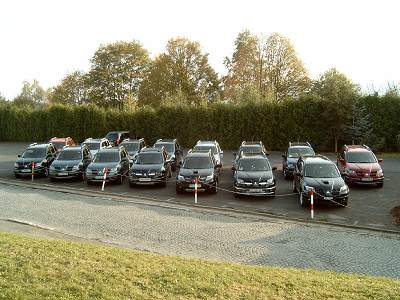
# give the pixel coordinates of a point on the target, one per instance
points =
(362, 174)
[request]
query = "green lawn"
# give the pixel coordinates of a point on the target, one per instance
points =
(44, 269)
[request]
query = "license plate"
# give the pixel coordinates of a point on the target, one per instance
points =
(62, 174)
(192, 186)
(26, 171)
(255, 190)
(367, 179)
(144, 179)
(328, 198)
(98, 177)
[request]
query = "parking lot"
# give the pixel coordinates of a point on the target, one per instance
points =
(368, 206)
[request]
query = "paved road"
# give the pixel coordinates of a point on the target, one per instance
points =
(205, 235)
(369, 206)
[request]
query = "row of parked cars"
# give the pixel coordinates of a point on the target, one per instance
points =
(119, 156)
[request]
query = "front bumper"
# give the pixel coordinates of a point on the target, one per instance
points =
(28, 171)
(289, 169)
(319, 197)
(99, 178)
(189, 185)
(364, 180)
(65, 174)
(147, 180)
(255, 191)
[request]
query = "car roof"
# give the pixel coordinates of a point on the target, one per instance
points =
(307, 144)
(112, 149)
(72, 148)
(151, 149)
(94, 140)
(199, 154)
(165, 141)
(252, 155)
(118, 131)
(357, 148)
(126, 141)
(38, 146)
(59, 139)
(318, 159)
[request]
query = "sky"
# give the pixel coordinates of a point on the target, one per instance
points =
(45, 40)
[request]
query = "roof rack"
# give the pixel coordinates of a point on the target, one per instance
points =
(299, 144)
(252, 143)
(316, 156)
(33, 144)
(206, 142)
(252, 153)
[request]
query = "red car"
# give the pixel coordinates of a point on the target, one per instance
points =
(358, 164)
(59, 143)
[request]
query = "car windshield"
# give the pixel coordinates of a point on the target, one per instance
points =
(254, 165)
(303, 151)
(105, 157)
(321, 171)
(112, 136)
(59, 145)
(250, 149)
(93, 146)
(206, 148)
(149, 158)
(131, 146)
(169, 147)
(361, 157)
(69, 155)
(198, 163)
(34, 153)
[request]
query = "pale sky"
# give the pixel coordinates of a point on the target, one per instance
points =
(45, 40)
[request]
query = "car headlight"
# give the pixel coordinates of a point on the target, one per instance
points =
(239, 180)
(308, 188)
(52, 167)
(379, 172)
(344, 190)
(350, 171)
(16, 165)
(88, 170)
(210, 178)
(270, 181)
(180, 177)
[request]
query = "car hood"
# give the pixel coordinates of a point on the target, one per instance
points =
(65, 163)
(364, 167)
(324, 184)
(100, 166)
(29, 160)
(147, 167)
(201, 172)
(255, 175)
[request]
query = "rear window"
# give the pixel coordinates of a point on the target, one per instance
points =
(59, 145)
(303, 151)
(112, 136)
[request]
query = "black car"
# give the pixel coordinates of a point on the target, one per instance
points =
(290, 157)
(116, 137)
(248, 147)
(152, 166)
(200, 165)
(71, 162)
(253, 176)
(320, 174)
(113, 161)
(174, 150)
(42, 155)
(133, 146)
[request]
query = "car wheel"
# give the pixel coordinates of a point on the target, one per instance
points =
(294, 189)
(88, 182)
(132, 185)
(178, 190)
(344, 203)
(17, 176)
(52, 179)
(237, 195)
(302, 200)
(164, 183)
(380, 185)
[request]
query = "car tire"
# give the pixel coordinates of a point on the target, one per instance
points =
(132, 185)
(89, 182)
(237, 195)
(379, 185)
(17, 176)
(52, 179)
(178, 190)
(344, 203)
(302, 201)
(164, 183)
(214, 188)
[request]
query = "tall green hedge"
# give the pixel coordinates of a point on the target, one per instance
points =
(274, 124)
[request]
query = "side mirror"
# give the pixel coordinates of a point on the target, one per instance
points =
(274, 168)
(283, 155)
(380, 160)
(19, 155)
(233, 168)
(234, 154)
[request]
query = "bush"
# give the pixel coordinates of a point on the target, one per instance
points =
(273, 123)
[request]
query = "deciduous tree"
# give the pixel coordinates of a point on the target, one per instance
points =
(72, 90)
(32, 94)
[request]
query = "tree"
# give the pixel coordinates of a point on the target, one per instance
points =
(31, 95)
(116, 73)
(72, 90)
(183, 69)
(285, 73)
(245, 66)
(342, 94)
(2, 98)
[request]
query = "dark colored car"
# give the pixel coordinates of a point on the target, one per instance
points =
(96, 144)
(116, 137)
(215, 150)
(322, 175)
(359, 165)
(290, 157)
(174, 150)
(201, 165)
(60, 143)
(253, 176)
(151, 166)
(133, 146)
(71, 162)
(115, 161)
(248, 147)
(42, 155)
